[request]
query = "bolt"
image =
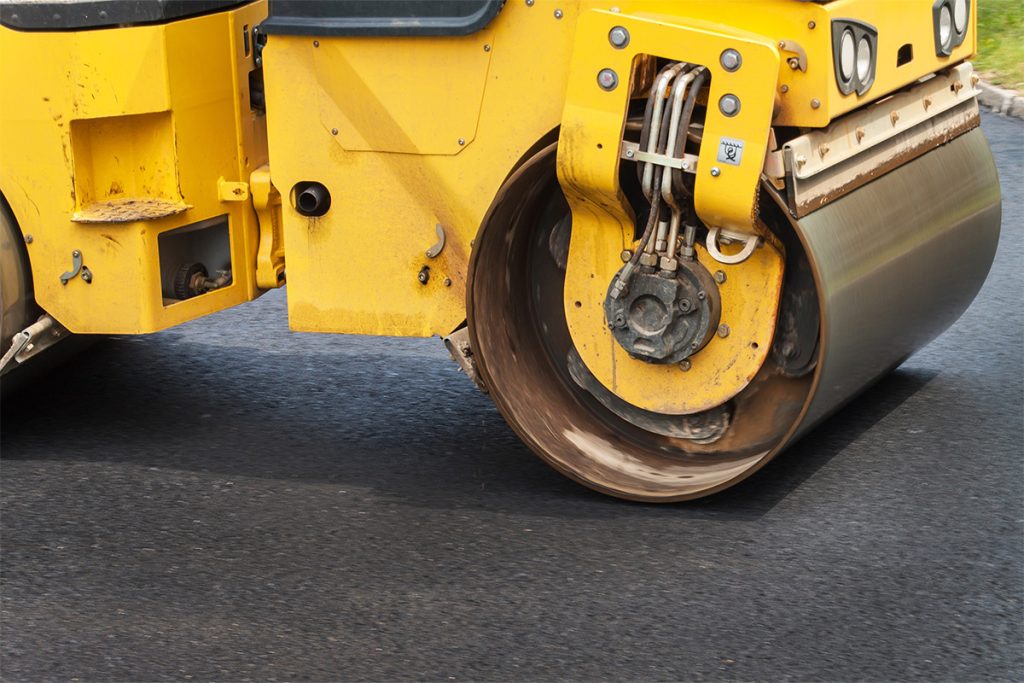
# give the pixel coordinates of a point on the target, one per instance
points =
(794, 63)
(424, 275)
(719, 276)
(618, 37)
(630, 153)
(87, 276)
(815, 103)
(811, 25)
(723, 330)
(685, 306)
(702, 295)
(731, 60)
(76, 253)
(685, 365)
(607, 79)
(715, 171)
(316, 43)
(626, 255)
(558, 14)
(487, 47)
(694, 345)
(529, 3)
(729, 105)
(784, 89)
(28, 239)
(334, 131)
(447, 282)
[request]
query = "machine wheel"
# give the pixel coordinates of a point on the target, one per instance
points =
(527, 360)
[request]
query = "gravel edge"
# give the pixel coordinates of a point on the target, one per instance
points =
(1001, 101)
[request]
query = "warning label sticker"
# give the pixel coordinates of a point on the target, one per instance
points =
(730, 151)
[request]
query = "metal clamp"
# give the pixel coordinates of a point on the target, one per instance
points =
(631, 151)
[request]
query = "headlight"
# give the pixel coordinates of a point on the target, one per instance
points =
(854, 48)
(950, 19)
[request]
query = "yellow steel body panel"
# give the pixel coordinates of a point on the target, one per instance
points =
(134, 129)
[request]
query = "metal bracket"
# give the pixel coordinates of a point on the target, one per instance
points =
(266, 201)
(797, 58)
(232, 191)
(40, 335)
(750, 243)
(76, 266)
(435, 250)
(631, 151)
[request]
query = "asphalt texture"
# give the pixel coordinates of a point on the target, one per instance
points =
(228, 500)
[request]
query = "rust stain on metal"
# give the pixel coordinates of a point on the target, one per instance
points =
(128, 210)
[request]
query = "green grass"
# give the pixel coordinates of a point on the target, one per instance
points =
(1000, 57)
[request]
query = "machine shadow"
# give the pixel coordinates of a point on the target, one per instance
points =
(423, 438)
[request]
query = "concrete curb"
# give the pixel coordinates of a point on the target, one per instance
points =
(1001, 101)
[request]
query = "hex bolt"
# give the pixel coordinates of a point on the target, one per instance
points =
(729, 105)
(811, 25)
(685, 306)
(87, 275)
(462, 141)
(731, 60)
(424, 275)
(618, 37)
(815, 103)
(723, 330)
(715, 171)
(626, 255)
(334, 131)
(487, 47)
(607, 79)
(630, 153)
(720, 276)
(76, 253)
(794, 63)
(28, 239)
(685, 365)
(702, 295)
(558, 14)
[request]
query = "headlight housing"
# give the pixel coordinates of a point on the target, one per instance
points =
(950, 19)
(855, 53)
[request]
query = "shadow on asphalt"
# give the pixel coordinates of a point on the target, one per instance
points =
(408, 428)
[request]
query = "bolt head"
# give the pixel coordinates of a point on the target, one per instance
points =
(630, 153)
(529, 3)
(618, 37)
(729, 105)
(447, 282)
(316, 43)
(87, 276)
(719, 276)
(462, 141)
(685, 365)
(607, 79)
(334, 131)
(815, 103)
(487, 47)
(558, 14)
(723, 330)
(76, 253)
(626, 255)
(731, 60)
(28, 239)
(715, 171)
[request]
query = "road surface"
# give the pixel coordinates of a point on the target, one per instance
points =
(230, 500)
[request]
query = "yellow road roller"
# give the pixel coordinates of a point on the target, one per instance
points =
(667, 237)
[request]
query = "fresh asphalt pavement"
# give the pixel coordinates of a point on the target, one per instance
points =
(229, 500)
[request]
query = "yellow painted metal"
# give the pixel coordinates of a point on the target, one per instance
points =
(109, 138)
(356, 268)
(267, 202)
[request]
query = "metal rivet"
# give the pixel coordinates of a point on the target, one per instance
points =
(731, 60)
(76, 253)
(619, 37)
(447, 282)
(487, 47)
(784, 89)
(720, 276)
(334, 131)
(723, 330)
(715, 172)
(811, 25)
(607, 79)
(316, 43)
(28, 239)
(815, 103)
(558, 14)
(685, 365)
(729, 105)
(462, 141)
(529, 3)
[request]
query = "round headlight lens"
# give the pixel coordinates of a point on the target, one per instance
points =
(863, 60)
(945, 25)
(960, 15)
(847, 55)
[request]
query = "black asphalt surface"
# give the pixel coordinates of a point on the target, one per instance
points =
(232, 501)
